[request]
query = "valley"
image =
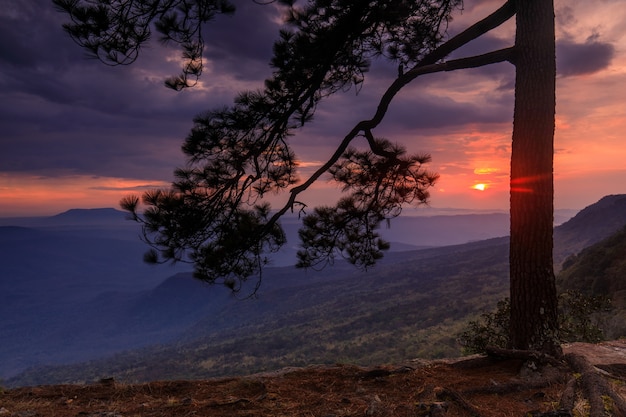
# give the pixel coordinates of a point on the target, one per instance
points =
(121, 320)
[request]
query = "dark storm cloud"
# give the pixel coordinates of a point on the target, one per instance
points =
(436, 112)
(572, 58)
(486, 43)
(247, 36)
(583, 58)
(426, 107)
(90, 147)
(11, 48)
(61, 113)
(427, 110)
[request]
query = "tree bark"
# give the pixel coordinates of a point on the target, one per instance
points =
(533, 295)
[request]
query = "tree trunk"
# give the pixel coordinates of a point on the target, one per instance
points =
(534, 324)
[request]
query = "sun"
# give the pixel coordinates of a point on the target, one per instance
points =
(480, 187)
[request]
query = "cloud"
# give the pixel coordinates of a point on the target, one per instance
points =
(428, 112)
(64, 117)
(583, 58)
(62, 114)
(131, 188)
(241, 45)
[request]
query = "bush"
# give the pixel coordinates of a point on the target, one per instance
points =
(492, 329)
(579, 319)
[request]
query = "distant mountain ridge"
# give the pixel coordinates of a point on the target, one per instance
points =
(90, 215)
(592, 224)
(74, 287)
(410, 305)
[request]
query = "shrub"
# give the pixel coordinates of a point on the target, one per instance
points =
(579, 320)
(492, 329)
(580, 317)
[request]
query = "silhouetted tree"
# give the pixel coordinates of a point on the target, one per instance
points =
(214, 214)
(114, 31)
(534, 301)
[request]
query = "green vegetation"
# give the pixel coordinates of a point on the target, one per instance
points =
(409, 308)
(599, 270)
(492, 329)
(580, 317)
(592, 304)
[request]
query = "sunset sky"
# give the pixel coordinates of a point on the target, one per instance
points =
(75, 133)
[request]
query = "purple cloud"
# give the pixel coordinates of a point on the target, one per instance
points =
(583, 58)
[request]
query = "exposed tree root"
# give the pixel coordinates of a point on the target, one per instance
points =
(541, 370)
(568, 396)
(596, 389)
(527, 355)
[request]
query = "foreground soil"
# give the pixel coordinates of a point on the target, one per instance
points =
(477, 386)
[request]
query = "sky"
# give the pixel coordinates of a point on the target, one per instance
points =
(75, 133)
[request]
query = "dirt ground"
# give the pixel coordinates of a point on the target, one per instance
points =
(478, 386)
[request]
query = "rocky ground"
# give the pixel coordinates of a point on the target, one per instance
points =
(475, 386)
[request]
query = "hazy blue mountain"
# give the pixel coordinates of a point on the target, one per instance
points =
(423, 230)
(304, 317)
(86, 217)
(592, 224)
(73, 288)
(49, 274)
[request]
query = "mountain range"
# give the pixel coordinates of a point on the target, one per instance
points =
(78, 304)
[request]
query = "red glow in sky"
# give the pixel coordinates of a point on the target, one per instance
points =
(78, 134)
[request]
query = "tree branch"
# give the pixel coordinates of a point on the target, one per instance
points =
(495, 19)
(493, 57)
(427, 65)
(478, 29)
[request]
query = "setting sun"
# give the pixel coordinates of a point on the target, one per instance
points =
(480, 187)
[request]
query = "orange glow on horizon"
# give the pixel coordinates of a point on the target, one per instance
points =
(486, 171)
(33, 195)
(480, 187)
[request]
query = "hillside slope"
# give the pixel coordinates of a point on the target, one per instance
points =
(601, 270)
(410, 305)
(592, 224)
(393, 312)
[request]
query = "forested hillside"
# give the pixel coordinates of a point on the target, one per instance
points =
(413, 304)
(600, 270)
